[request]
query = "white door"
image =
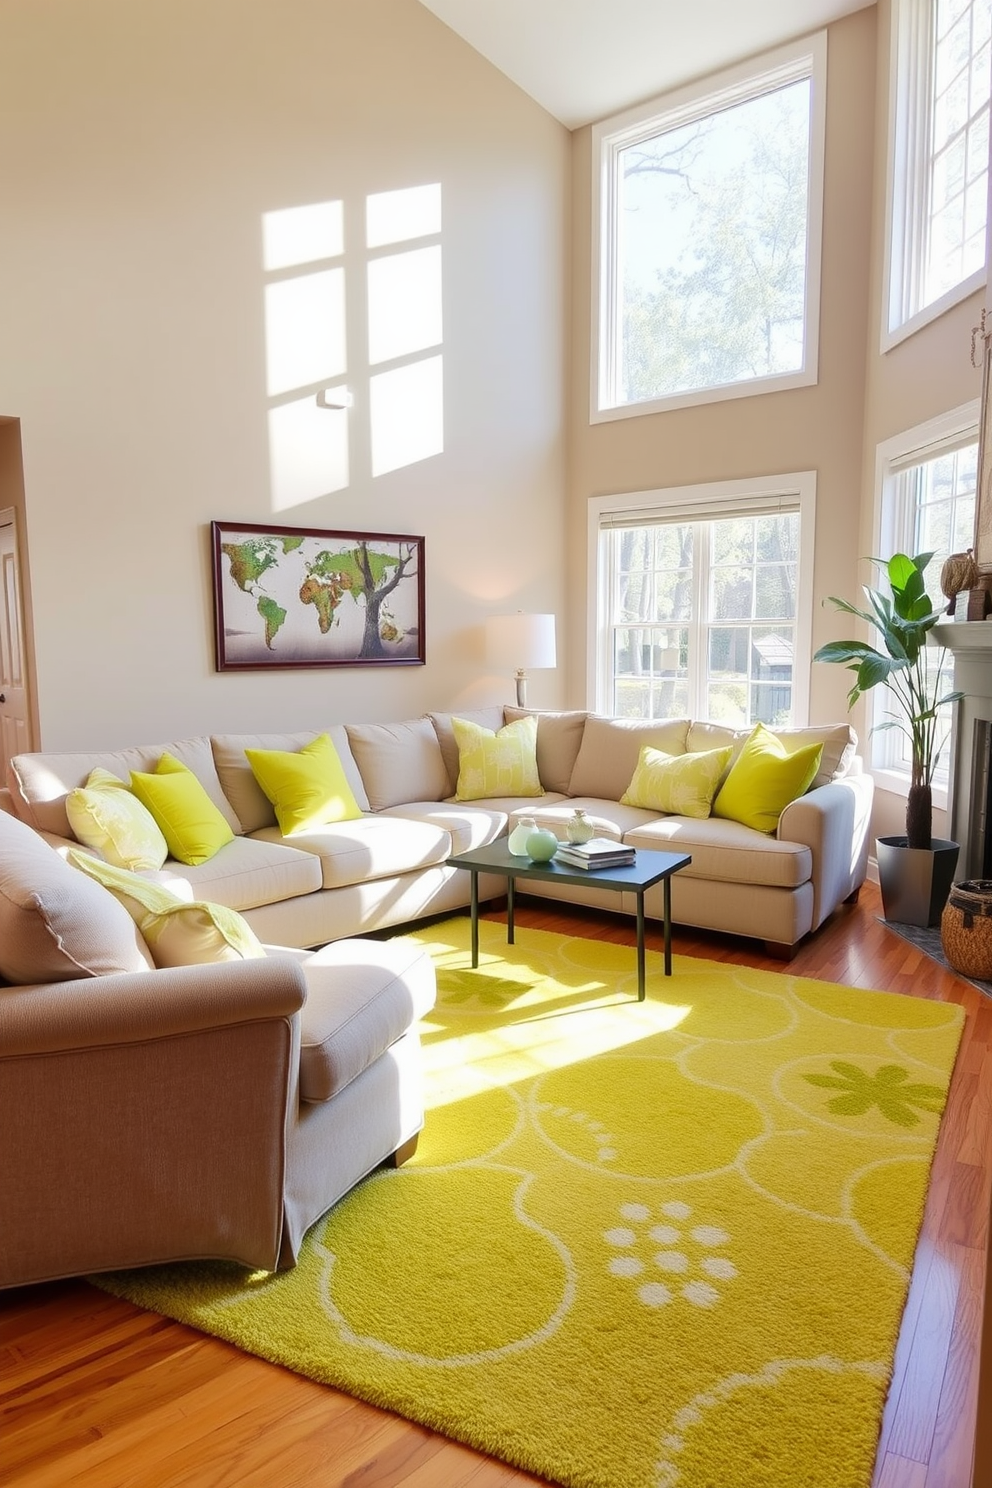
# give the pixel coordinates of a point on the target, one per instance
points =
(15, 728)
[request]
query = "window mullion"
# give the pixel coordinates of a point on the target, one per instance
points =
(699, 623)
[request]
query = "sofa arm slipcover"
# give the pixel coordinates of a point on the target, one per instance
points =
(145, 1118)
(833, 822)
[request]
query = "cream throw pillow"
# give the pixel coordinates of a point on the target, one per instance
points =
(176, 931)
(676, 784)
(497, 764)
(104, 815)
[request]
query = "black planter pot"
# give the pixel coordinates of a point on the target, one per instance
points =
(915, 882)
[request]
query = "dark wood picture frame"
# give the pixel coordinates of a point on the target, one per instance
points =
(316, 597)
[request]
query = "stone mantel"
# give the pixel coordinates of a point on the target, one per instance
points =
(970, 642)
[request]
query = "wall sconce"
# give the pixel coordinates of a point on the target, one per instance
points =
(342, 398)
(523, 642)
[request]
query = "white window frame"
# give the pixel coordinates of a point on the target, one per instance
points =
(701, 503)
(807, 57)
(906, 194)
(893, 533)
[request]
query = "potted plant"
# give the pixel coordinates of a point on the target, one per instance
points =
(915, 871)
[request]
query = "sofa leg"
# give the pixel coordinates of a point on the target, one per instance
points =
(853, 897)
(403, 1153)
(778, 950)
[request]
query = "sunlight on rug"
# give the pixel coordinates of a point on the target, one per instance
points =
(655, 1245)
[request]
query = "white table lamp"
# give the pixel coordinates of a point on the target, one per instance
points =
(523, 642)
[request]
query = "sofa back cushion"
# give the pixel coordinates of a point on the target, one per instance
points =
(559, 738)
(611, 747)
(40, 782)
(56, 924)
(399, 762)
(253, 807)
(487, 718)
(838, 739)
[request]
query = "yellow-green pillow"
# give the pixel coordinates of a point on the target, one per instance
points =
(177, 932)
(677, 784)
(764, 778)
(307, 788)
(497, 764)
(105, 816)
(191, 824)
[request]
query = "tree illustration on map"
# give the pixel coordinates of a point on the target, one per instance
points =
(311, 598)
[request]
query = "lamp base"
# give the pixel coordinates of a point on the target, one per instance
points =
(521, 682)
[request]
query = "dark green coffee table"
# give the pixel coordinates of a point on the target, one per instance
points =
(647, 869)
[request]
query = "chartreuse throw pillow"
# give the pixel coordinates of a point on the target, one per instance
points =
(107, 817)
(497, 764)
(677, 784)
(177, 932)
(764, 778)
(191, 824)
(307, 787)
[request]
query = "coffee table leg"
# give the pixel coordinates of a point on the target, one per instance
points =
(640, 946)
(668, 927)
(510, 890)
(473, 875)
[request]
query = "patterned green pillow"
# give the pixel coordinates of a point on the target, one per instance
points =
(497, 764)
(177, 932)
(676, 784)
(107, 817)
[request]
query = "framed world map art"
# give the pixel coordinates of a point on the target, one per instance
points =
(305, 597)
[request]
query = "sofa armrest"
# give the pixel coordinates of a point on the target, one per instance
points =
(833, 822)
(146, 1118)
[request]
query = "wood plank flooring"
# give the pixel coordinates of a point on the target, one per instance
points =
(96, 1393)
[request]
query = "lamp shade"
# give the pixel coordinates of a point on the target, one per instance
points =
(521, 641)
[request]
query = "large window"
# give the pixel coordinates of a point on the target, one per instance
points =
(703, 612)
(939, 158)
(708, 236)
(927, 481)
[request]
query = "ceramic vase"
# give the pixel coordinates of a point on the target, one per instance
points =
(517, 841)
(541, 845)
(579, 828)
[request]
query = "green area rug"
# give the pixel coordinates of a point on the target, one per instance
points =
(655, 1245)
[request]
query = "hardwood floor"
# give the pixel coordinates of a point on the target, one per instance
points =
(96, 1393)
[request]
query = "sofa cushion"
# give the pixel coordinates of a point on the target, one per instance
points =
(726, 852)
(764, 778)
(106, 816)
(40, 782)
(609, 751)
(361, 997)
(503, 763)
(56, 924)
(370, 847)
(307, 787)
(191, 824)
(176, 931)
(559, 737)
(678, 784)
(248, 872)
(490, 718)
(838, 739)
(249, 801)
(399, 762)
(468, 824)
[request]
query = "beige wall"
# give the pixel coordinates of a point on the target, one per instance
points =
(815, 428)
(142, 142)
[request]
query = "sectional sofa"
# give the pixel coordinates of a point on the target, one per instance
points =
(388, 866)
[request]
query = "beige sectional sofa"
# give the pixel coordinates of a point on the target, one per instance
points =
(388, 867)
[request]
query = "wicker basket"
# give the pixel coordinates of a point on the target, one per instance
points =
(966, 928)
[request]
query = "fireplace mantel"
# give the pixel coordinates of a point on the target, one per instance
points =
(970, 643)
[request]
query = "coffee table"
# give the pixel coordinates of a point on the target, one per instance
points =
(647, 869)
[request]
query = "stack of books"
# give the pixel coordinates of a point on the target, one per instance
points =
(598, 852)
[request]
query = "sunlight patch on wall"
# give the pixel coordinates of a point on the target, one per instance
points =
(398, 216)
(407, 413)
(304, 330)
(308, 452)
(302, 235)
(404, 303)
